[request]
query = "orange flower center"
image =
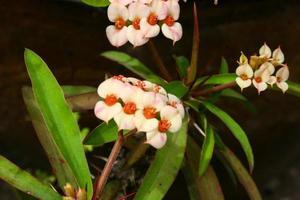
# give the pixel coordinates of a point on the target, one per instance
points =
(169, 20)
(119, 23)
(152, 19)
(149, 112)
(136, 23)
(258, 79)
(244, 77)
(110, 100)
(129, 108)
(163, 125)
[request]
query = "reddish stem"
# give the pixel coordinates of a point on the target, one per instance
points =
(213, 90)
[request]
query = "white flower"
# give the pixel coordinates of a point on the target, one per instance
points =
(117, 34)
(137, 11)
(110, 106)
(175, 102)
(265, 51)
(131, 97)
(267, 66)
(281, 76)
(158, 11)
(260, 79)
(172, 29)
(278, 56)
(123, 2)
(170, 121)
(245, 73)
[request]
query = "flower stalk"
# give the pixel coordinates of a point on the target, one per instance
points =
(214, 89)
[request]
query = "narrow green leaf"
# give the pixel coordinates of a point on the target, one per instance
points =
(104, 133)
(207, 150)
(205, 187)
(61, 170)
(96, 3)
(133, 65)
(236, 130)
(216, 79)
(242, 174)
(165, 166)
(224, 66)
(294, 88)
(192, 70)
(193, 103)
(177, 88)
(182, 64)
(25, 182)
(58, 118)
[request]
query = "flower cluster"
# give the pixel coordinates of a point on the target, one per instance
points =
(137, 21)
(260, 69)
(140, 105)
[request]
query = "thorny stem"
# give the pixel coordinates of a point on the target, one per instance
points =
(214, 89)
(159, 62)
(101, 181)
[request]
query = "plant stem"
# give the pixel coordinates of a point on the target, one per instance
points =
(159, 62)
(101, 181)
(83, 102)
(214, 89)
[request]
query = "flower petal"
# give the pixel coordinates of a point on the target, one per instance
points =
(144, 125)
(260, 86)
(267, 66)
(168, 112)
(172, 32)
(149, 30)
(283, 73)
(138, 10)
(156, 139)
(278, 55)
(272, 80)
(152, 99)
(244, 69)
(117, 37)
(265, 51)
(115, 11)
(283, 86)
(136, 37)
(173, 9)
(243, 83)
(160, 8)
(106, 113)
(176, 122)
(110, 86)
(123, 2)
(124, 121)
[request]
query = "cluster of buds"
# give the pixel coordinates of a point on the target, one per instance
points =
(137, 21)
(260, 69)
(72, 194)
(141, 105)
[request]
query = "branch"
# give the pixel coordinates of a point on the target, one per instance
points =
(214, 89)
(101, 181)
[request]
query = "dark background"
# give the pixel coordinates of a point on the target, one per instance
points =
(70, 36)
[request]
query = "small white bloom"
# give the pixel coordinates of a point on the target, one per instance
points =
(267, 66)
(260, 79)
(265, 51)
(281, 77)
(172, 29)
(244, 73)
(278, 56)
(175, 102)
(117, 34)
(137, 11)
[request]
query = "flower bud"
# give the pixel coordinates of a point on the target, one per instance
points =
(69, 190)
(265, 51)
(243, 59)
(278, 56)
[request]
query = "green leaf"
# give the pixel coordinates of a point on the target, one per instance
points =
(71, 90)
(294, 88)
(224, 66)
(205, 187)
(96, 3)
(216, 79)
(22, 180)
(165, 166)
(133, 65)
(207, 150)
(104, 133)
(61, 169)
(236, 130)
(58, 118)
(182, 64)
(177, 88)
(193, 103)
(242, 174)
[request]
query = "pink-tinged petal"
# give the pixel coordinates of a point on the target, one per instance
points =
(148, 85)
(267, 66)
(260, 86)
(283, 86)
(145, 1)
(243, 83)
(172, 32)
(156, 139)
(124, 121)
(110, 86)
(265, 51)
(174, 100)
(283, 73)
(180, 109)
(115, 11)
(106, 113)
(136, 37)
(176, 122)
(272, 80)
(152, 99)
(278, 55)
(133, 80)
(148, 30)
(173, 9)
(160, 8)
(123, 2)
(117, 37)
(127, 93)
(144, 125)
(244, 69)
(168, 112)
(265, 76)
(138, 10)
